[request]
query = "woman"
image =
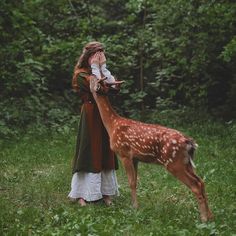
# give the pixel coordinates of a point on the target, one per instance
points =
(94, 163)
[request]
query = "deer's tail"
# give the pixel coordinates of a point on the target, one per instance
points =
(191, 147)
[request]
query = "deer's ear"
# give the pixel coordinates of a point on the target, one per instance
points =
(117, 82)
(102, 79)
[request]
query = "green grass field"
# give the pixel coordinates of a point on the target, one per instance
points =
(35, 175)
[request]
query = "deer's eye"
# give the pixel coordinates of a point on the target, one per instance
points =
(98, 87)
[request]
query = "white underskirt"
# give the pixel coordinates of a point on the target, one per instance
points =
(91, 186)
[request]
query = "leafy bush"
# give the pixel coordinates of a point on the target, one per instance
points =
(170, 53)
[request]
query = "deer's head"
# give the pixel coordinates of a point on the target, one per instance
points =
(103, 88)
(95, 84)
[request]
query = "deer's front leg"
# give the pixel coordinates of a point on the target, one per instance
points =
(132, 178)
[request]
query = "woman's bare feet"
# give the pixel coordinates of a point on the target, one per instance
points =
(107, 200)
(73, 200)
(82, 202)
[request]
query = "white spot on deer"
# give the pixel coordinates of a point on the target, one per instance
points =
(173, 154)
(166, 163)
(174, 141)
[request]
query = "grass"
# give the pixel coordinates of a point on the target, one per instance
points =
(35, 175)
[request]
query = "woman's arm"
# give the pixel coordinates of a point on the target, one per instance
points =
(96, 70)
(94, 63)
(105, 71)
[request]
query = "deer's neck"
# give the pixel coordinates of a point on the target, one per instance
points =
(106, 111)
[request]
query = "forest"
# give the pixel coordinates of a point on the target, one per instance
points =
(178, 61)
(172, 55)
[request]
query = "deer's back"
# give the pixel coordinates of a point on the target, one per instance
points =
(147, 142)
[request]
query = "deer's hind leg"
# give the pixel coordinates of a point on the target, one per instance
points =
(135, 163)
(185, 173)
(131, 171)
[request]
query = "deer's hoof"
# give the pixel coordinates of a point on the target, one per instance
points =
(135, 205)
(210, 216)
(204, 219)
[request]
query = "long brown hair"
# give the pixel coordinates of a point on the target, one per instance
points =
(89, 49)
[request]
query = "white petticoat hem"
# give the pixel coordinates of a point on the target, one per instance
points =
(92, 186)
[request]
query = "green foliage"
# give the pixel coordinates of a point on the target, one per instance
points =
(229, 52)
(180, 52)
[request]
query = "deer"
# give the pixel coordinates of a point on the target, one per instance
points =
(134, 141)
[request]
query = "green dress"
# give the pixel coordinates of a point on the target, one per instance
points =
(93, 153)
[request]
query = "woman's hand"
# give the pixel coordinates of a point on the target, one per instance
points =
(102, 58)
(94, 59)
